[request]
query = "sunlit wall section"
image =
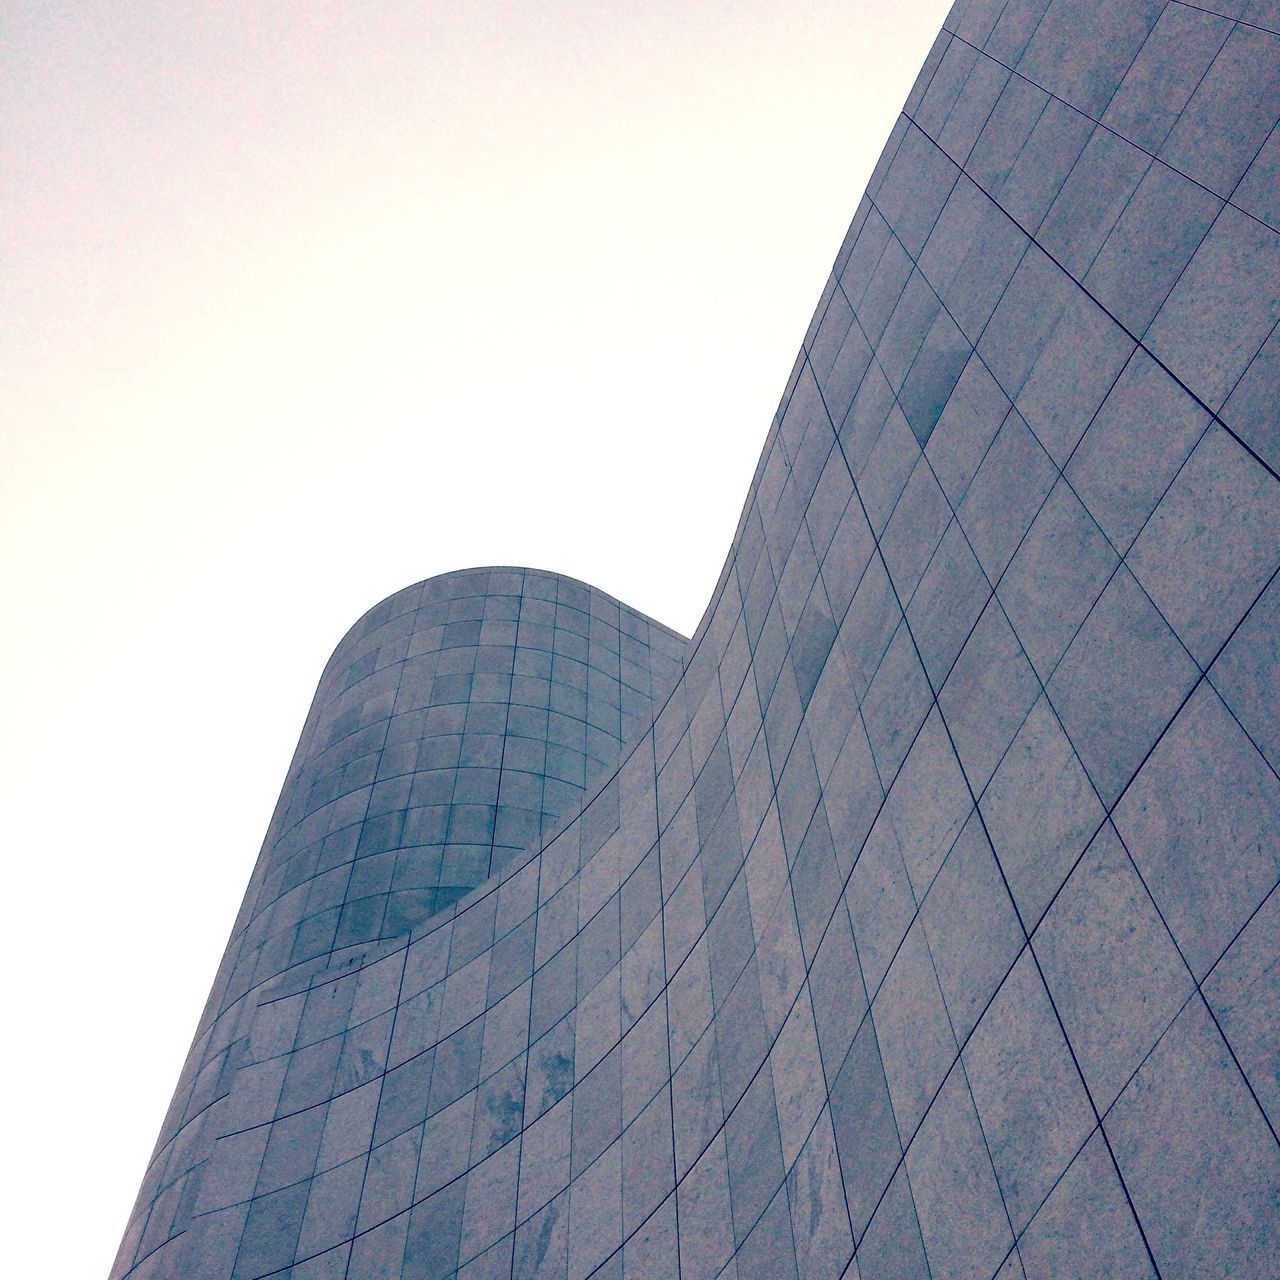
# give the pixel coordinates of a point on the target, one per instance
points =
(930, 929)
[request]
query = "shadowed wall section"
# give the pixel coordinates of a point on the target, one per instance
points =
(929, 926)
(454, 724)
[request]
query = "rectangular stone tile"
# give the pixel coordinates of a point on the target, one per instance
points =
(271, 1232)
(1013, 480)
(1208, 861)
(1040, 812)
(871, 241)
(1091, 200)
(1165, 73)
(933, 375)
(888, 469)
(1073, 374)
(972, 108)
(971, 19)
(348, 1125)
(1034, 1110)
(1150, 245)
(647, 1163)
(915, 188)
(389, 1179)
(1245, 674)
(867, 415)
(1086, 1228)
(1212, 543)
(883, 290)
(1199, 1161)
(837, 991)
(896, 134)
(540, 1250)
(1111, 968)
(928, 804)
(1006, 131)
(987, 696)
(1133, 449)
(916, 1042)
(832, 329)
(905, 332)
(695, 1097)
(1222, 309)
(915, 529)
(1230, 113)
(1023, 320)
(706, 1230)
(881, 905)
(895, 705)
(819, 1218)
(770, 1249)
(1119, 684)
(595, 1213)
(544, 1158)
(974, 935)
(965, 429)
(947, 603)
(945, 85)
(1058, 572)
(843, 562)
(892, 1248)
(925, 77)
(976, 260)
(652, 1252)
(815, 634)
(291, 1152)
(1081, 50)
(1243, 991)
(754, 1155)
(379, 1251)
(962, 1219)
(865, 1132)
(1043, 163)
(852, 795)
(846, 374)
(868, 626)
(1015, 26)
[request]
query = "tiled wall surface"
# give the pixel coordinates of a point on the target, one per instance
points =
(454, 725)
(929, 929)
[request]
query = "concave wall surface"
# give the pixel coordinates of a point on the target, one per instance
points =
(927, 927)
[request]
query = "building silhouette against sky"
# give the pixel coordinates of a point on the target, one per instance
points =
(917, 917)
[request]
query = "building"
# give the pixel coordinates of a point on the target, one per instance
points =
(921, 909)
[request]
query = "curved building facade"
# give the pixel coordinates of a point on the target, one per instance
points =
(918, 917)
(454, 724)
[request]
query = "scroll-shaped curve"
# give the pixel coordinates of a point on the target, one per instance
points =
(455, 723)
(927, 928)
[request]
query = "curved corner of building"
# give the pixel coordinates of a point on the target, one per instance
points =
(918, 918)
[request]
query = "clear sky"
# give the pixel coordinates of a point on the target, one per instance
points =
(301, 303)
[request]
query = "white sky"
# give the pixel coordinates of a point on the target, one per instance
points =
(301, 303)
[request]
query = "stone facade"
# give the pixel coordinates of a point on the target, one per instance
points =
(917, 918)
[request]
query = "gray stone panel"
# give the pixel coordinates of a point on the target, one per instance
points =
(918, 916)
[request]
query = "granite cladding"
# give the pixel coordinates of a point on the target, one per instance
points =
(918, 917)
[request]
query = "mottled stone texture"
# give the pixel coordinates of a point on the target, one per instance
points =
(455, 724)
(927, 927)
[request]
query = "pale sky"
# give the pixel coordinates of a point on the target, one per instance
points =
(304, 302)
